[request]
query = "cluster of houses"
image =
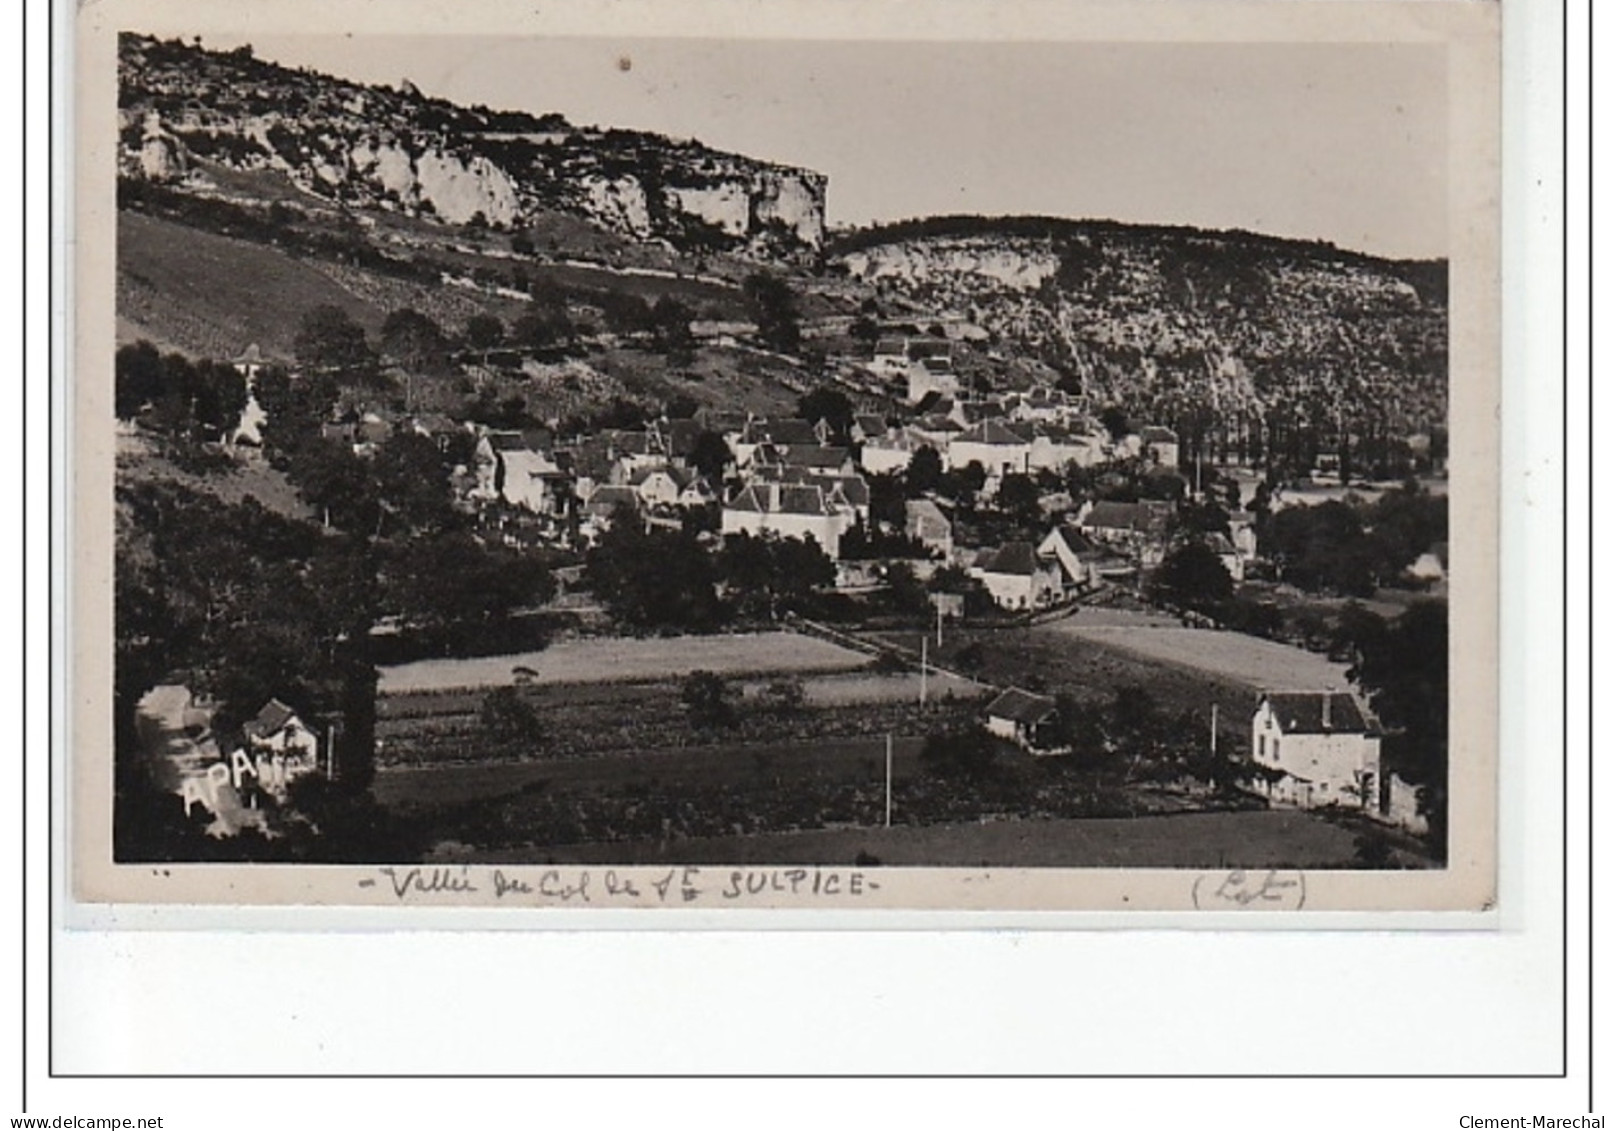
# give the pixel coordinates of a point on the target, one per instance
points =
(1311, 750)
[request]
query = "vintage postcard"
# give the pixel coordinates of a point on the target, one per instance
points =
(733, 456)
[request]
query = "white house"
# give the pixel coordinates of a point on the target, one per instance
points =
(890, 452)
(1077, 555)
(1026, 719)
(1325, 747)
(660, 486)
(1017, 578)
(1159, 446)
(1054, 448)
(791, 511)
(510, 468)
(994, 445)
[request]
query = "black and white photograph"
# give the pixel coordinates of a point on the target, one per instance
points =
(567, 469)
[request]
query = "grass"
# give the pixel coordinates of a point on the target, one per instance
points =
(250, 477)
(1256, 662)
(1251, 839)
(626, 659)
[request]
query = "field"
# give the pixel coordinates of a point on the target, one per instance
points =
(860, 759)
(1261, 664)
(1251, 839)
(628, 659)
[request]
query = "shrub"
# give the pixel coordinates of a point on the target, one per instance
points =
(510, 717)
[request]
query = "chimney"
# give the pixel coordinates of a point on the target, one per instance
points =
(1328, 699)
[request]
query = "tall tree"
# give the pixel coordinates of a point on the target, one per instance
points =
(830, 405)
(773, 306)
(1404, 671)
(327, 338)
(1191, 576)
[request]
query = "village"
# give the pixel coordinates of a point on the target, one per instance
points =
(492, 487)
(925, 517)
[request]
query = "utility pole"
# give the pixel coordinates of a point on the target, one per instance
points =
(888, 779)
(924, 643)
(939, 624)
(1214, 731)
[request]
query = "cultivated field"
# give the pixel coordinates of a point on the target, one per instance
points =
(737, 765)
(1251, 839)
(619, 659)
(1232, 655)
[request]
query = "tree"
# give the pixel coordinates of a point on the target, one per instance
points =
(670, 322)
(1018, 495)
(924, 472)
(905, 591)
(830, 405)
(1403, 670)
(773, 306)
(954, 579)
(327, 338)
(706, 698)
(1191, 576)
(414, 341)
(769, 574)
(710, 455)
(658, 579)
(453, 591)
(509, 716)
(412, 484)
(626, 313)
(137, 378)
(484, 333)
(1115, 420)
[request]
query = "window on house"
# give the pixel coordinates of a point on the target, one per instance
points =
(1261, 746)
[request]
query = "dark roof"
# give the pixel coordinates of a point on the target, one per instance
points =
(991, 432)
(269, 720)
(870, 423)
(921, 349)
(982, 410)
(784, 498)
(1021, 707)
(852, 488)
(1076, 541)
(791, 431)
(1156, 435)
(1014, 557)
(816, 457)
(1301, 712)
(1125, 516)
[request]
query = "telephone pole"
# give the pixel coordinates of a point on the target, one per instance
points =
(888, 779)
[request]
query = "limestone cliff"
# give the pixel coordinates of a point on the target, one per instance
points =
(184, 109)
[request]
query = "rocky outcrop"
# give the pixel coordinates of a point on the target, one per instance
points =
(1160, 318)
(184, 108)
